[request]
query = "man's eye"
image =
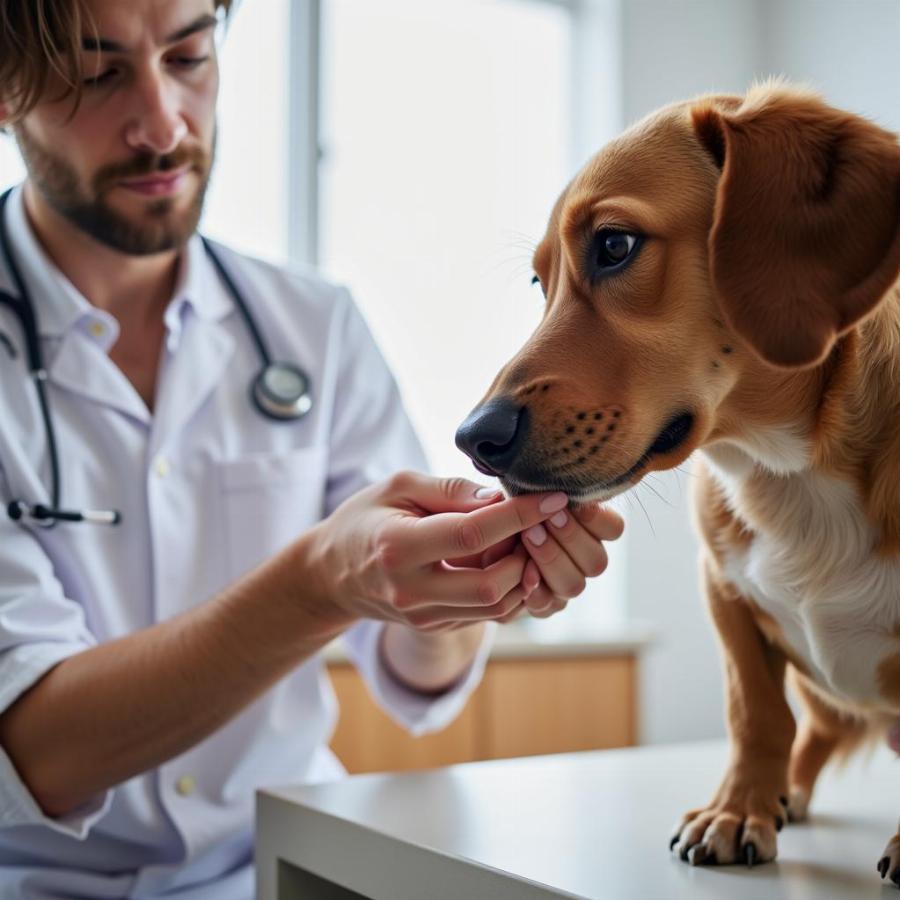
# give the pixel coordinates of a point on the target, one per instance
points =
(101, 79)
(610, 249)
(189, 62)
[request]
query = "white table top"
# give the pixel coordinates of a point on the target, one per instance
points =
(591, 825)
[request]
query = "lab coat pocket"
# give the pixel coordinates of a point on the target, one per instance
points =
(268, 500)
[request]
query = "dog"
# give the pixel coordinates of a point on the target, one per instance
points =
(723, 277)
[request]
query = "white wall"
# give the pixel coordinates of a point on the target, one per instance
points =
(848, 50)
(671, 50)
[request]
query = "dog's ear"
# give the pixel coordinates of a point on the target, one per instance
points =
(805, 238)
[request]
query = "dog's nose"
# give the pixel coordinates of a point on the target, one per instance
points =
(493, 435)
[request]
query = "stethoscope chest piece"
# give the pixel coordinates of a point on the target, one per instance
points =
(282, 391)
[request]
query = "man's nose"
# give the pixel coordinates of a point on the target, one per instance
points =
(494, 434)
(158, 125)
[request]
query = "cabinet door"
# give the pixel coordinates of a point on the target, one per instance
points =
(523, 707)
(368, 740)
(557, 705)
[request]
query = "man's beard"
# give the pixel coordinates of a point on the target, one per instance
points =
(159, 227)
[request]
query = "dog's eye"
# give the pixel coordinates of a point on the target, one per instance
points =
(536, 280)
(610, 249)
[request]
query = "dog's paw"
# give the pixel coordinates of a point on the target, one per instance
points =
(731, 831)
(889, 864)
(798, 804)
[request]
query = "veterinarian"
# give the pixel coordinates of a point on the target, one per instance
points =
(197, 474)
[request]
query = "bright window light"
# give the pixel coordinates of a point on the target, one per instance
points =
(246, 205)
(446, 140)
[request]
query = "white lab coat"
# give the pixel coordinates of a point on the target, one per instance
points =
(207, 488)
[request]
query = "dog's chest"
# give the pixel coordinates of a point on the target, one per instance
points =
(811, 566)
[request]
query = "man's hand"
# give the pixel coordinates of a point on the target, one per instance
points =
(425, 552)
(563, 553)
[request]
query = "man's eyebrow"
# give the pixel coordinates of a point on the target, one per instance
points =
(105, 45)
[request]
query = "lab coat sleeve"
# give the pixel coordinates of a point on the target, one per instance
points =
(371, 438)
(39, 627)
(417, 713)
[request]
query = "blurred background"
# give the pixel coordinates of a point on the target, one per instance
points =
(412, 149)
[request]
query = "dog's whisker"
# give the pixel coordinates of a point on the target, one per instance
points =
(657, 493)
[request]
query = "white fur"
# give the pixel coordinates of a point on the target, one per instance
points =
(811, 565)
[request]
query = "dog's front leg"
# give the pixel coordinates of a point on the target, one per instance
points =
(750, 804)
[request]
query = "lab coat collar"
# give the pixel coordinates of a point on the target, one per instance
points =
(199, 301)
(61, 307)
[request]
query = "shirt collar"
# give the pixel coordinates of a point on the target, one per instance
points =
(60, 305)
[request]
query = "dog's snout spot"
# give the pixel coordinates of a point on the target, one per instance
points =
(581, 416)
(598, 416)
(545, 387)
(727, 349)
(590, 430)
(570, 429)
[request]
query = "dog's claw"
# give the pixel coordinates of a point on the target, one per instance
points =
(783, 800)
(883, 864)
(779, 823)
(895, 876)
(698, 855)
(674, 841)
(750, 854)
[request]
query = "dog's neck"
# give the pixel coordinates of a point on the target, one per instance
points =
(840, 419)
(858, 428)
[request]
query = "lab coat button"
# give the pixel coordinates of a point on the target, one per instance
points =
(161, 466)
(97, 329)
(185, 785)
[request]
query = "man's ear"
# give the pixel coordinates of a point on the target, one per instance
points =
(806, 231)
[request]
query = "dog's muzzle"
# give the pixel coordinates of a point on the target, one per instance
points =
(493, 435)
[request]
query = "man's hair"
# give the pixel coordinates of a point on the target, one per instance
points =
(42, 37)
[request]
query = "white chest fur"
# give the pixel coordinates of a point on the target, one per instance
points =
(811, 566)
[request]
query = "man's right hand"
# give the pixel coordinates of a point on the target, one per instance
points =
(393, 552)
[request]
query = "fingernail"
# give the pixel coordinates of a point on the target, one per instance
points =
(553, 503)
(559, 519)
(483, 493)
(537, 534)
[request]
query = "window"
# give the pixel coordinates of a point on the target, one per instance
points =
(12, 170)
(247, 205)
(447, 134)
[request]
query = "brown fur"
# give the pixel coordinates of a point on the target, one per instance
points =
(765, 296)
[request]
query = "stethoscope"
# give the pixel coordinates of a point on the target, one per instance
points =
(280, 391)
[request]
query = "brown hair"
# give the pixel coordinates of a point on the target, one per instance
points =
(39, 38)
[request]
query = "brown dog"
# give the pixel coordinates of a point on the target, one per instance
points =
(724, 277)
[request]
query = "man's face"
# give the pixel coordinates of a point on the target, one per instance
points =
(130, 168)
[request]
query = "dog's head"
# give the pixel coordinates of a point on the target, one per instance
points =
(693, 271)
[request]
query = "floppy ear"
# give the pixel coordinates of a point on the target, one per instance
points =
(806, 231)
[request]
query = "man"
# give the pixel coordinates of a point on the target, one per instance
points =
(155, 671)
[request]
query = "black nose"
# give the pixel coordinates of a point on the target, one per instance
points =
(493, 435)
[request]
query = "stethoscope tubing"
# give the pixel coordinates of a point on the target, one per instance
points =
(294, 401)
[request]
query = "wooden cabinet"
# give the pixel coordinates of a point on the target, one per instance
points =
(524, 706)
